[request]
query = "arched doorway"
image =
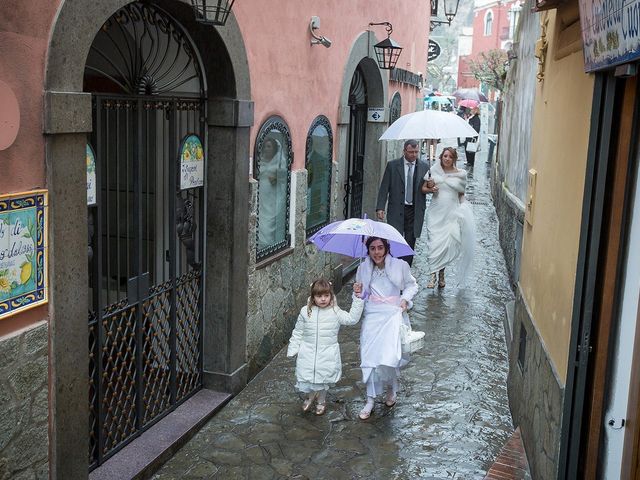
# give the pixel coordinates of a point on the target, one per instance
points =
(68, 125)
(356, 149)
(146, 224)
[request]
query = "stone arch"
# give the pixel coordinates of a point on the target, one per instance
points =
(377, 81)
(67, 122)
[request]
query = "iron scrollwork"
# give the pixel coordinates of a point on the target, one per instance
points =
(164, 60)
(186, 227)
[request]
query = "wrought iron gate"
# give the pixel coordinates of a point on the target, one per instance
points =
(357, 137)
(146, 233)
(145, 279)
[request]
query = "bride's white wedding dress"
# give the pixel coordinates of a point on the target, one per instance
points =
(450, 224)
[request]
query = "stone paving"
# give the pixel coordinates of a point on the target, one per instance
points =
(451, 419)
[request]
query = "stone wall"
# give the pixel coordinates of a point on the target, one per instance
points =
(24, 441)
(278, 290)
(509, 175)
(535, 395)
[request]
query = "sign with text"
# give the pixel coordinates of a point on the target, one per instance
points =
(191, 163)
(23, 269)
(433, 51)
(610, 32)
(91, 176)
(375, 114)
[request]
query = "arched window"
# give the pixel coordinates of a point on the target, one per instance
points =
(272, 170)
(319, 157)
(488, 23)
(395, 109)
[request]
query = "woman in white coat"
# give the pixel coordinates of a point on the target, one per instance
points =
(315, 341)
(388, 288)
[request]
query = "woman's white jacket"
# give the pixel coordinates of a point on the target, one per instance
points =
(315, 341)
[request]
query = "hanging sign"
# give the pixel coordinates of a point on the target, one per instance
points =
(191, 163)
(91, 176)
(375, 114)
(433, 51)
(610, 32)
(23, 269)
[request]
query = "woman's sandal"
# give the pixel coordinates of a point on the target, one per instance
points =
(391, 400)
(432, 281)
(321, 408)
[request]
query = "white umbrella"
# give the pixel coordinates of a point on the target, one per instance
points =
(429, 124)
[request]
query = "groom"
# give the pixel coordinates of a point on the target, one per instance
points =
(405, 205)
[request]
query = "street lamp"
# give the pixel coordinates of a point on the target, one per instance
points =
(387, 51)
(212, 12)
(450, 8)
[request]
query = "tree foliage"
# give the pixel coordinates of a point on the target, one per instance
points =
(490, 68)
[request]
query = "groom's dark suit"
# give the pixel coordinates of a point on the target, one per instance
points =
(407, 220)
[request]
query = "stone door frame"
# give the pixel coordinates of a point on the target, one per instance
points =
(377, 81)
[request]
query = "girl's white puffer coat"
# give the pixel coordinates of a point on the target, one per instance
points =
(315, 341)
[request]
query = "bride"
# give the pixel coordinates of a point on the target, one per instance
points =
(450, 223)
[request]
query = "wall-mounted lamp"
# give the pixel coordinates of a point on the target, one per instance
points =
(450, 8)
(387, 51)
(212, 12)
(317, 39)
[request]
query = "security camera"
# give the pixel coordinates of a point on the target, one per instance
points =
(317, 39)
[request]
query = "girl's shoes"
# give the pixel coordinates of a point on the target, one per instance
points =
(306, 405)
(321, 408)
(441, 283)
(432, 280)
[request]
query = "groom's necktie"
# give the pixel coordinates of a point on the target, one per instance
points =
(408, 186)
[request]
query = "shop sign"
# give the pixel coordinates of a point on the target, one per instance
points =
(433, 51)
(23, 251)
(375, 115)
(191, 163)
(610, 32)
(91, 176)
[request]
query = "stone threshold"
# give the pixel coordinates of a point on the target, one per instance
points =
(146, 454)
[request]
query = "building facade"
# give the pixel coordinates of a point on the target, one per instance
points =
(573, 379)
(190, 163)
(494, 24)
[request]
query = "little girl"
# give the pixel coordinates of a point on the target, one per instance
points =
(315, 341)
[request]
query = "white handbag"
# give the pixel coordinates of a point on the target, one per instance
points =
(472, 147)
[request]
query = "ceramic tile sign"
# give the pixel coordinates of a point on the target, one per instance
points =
(610, 32)
(91, 176)
(191, 162)
(23, 251)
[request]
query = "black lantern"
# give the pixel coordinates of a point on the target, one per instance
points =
(450, 8)
(212, 12)
(387, 51)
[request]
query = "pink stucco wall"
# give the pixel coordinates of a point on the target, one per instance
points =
(23, 45)
(291, 78)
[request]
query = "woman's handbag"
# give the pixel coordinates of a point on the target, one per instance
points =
(472, 147)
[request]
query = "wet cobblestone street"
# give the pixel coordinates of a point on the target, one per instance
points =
(451, 419)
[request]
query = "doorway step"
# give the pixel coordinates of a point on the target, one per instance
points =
(143, 456)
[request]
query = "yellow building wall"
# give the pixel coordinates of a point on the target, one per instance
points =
(560, 133)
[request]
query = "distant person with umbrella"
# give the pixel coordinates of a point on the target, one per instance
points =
(472, 144)
(389, 288)
(400, 191)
